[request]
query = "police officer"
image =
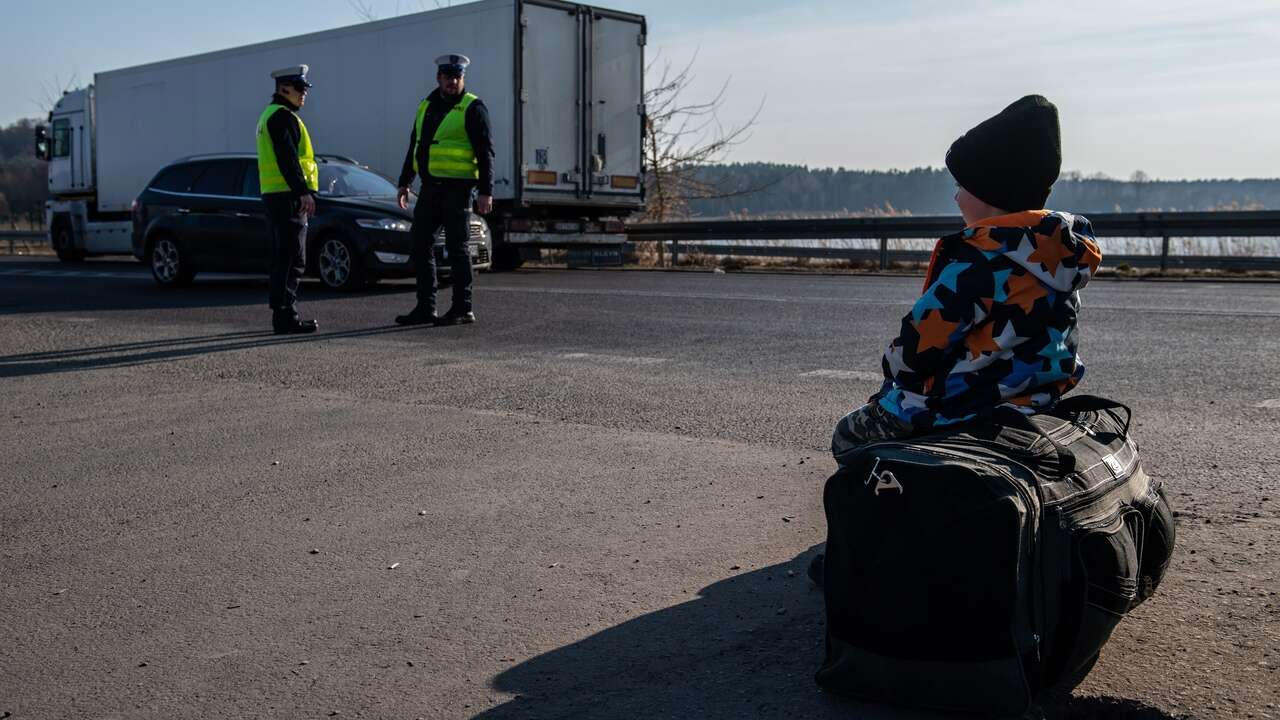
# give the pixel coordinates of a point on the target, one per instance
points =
(289, 179)
(450, 148)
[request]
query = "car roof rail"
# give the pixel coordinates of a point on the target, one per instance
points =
(328, 157)
(212, 156)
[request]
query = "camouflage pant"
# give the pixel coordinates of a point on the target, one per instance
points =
(865, 425)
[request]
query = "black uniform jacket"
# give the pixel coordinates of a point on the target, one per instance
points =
(285, 135)
(477, 124)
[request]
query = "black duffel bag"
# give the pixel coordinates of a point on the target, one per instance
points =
(973, 569)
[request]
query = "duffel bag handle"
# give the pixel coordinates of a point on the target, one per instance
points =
(1084, 403)
(1066, 461)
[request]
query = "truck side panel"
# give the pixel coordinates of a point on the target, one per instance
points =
(368, 80)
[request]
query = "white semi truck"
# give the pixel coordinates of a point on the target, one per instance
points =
(564, 84)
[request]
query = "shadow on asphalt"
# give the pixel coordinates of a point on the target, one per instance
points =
(154, 351)
(83, 295)
(747, 647)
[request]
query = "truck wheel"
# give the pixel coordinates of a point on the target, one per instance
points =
(170, 265)
(64, 243)
(506, 258)
(338, 265)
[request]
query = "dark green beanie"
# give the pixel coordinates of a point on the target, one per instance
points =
(1010, 161)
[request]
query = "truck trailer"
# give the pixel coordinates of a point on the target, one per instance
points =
(564, 84)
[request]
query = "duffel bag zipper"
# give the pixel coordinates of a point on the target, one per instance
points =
(1070, 431)
(1087, 496)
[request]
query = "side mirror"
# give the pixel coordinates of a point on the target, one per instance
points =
(42, 142)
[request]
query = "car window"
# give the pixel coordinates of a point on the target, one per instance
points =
(221, 177)
(176, 178)
(250, 187)
(350, 180)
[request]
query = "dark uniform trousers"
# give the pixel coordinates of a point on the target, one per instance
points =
(443, 203)
(288, 250)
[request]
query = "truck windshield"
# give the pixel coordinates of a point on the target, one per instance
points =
(352, 181)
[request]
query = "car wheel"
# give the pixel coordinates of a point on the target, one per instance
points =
(338, 264)
(170, 266)
(64, 245)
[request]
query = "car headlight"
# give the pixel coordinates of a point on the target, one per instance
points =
(384, 224)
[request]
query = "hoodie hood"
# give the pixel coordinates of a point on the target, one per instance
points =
(1058, 248)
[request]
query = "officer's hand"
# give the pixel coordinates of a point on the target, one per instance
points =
(402, 197)
(308, 203)
(484, 204)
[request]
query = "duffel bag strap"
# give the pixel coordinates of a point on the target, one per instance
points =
(1085, 403)
(1010, 416)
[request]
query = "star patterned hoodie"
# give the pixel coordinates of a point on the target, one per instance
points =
(996, 324)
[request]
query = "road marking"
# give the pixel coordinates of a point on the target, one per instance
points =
(1272, 404)
(881, 301)
(844, 375)
(906, 302)
(615, 359)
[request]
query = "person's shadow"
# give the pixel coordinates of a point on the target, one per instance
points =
(145, 352)
(746, 647)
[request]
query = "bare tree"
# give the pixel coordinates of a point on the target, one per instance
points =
(52, 91)
(365, 10)
(682, 137)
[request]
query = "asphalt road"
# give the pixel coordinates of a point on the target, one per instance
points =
(598, 501)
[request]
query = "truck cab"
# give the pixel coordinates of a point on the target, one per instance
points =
(70, 153)
(76, 228)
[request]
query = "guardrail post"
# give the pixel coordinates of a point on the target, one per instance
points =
(884, 253)
(1164, 254)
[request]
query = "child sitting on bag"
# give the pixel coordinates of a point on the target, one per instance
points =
(996, 324)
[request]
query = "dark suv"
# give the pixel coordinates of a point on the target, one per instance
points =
(204, 213)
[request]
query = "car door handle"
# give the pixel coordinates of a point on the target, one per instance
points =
(184, 211)
(244, 215)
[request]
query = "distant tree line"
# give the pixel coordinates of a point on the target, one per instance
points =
(24, 182)
(774, 190)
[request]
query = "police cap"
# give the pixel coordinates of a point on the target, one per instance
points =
(453, 64)
(296, 74)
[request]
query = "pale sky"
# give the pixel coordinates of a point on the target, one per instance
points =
(1176, 88)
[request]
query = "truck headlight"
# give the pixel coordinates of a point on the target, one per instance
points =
(384, 224)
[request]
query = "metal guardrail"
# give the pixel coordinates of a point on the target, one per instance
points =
(26, 237)
(694, 236)
(1112, 260)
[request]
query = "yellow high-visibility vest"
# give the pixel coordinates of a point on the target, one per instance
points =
(450, 154)
(269, 176)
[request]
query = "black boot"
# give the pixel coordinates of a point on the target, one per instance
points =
(456, 318)
(418, 316)
(287, 323)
